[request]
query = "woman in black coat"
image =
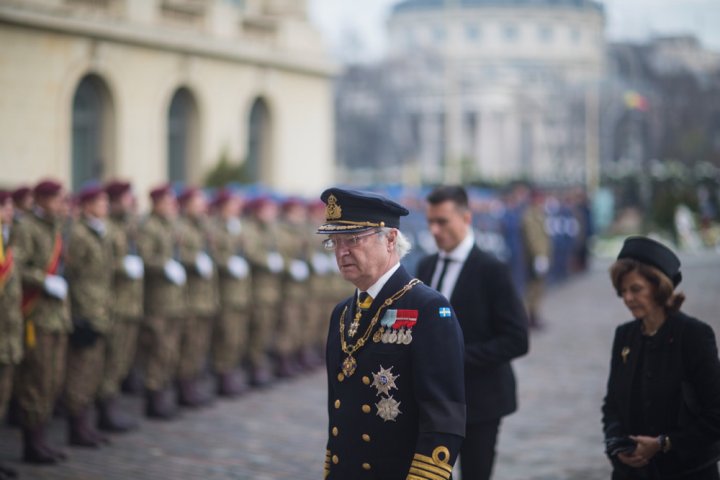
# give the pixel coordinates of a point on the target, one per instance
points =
(661, 413)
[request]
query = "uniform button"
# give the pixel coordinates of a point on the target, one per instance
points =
(341, 377)
(335, 459)
(366, 380)
(366, 408)
(335, 431)
(366, 437)
(367, 466)
(337, 403)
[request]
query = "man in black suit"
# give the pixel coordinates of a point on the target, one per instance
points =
(396, 395)
(492, 318)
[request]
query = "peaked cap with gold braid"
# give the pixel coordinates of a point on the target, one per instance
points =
(352, 211)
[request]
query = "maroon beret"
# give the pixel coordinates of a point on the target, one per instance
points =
(158, 192)
(47, 188)
(4, 196)
(20, 194)
(116, 188)
(293, 202)
(221, 197)
(90, 193)
(187, 194)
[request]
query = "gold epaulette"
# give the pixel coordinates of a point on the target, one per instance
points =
(327, 464)
(436, 467)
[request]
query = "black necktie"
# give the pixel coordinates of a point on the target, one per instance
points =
(446, 262)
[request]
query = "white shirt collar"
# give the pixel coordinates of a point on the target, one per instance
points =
(461, 252)
(374, 290)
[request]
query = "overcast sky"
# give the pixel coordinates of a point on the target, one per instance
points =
(355, 28)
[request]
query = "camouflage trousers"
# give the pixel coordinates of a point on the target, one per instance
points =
(318, 320)
(40, 378)
(85, 368)
(533, 296)
(262, 323)
(194, 345)
(229, 342)
(161, 342)
(6, 386)
(119, 356)
(289, 328)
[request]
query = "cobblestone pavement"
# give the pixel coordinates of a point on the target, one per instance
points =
(279, 433)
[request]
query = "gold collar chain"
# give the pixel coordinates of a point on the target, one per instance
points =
(349, 364)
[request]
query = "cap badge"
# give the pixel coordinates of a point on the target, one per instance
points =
(333, 211)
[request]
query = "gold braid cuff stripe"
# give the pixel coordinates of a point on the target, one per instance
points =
(348, 225)
(416, 473)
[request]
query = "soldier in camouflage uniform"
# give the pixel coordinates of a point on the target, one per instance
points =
(126, 309)
(201, 294)
(164, 300)
(11, 321)
(89, 254)
(229, 342)
(38, 250)
(267, 266)
(294, 244)
(536, 254)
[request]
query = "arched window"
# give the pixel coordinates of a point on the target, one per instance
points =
(182, 136)
(259, 142)
(92, 131)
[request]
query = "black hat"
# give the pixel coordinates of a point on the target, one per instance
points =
(350, 211)
(647, 250)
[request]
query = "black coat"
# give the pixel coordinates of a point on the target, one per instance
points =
(429, 387)
(494, 325)
(682, 391)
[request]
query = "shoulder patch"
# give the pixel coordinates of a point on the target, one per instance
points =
(445, 312)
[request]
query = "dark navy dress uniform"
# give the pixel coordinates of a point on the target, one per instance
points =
(399, 412)
(429, 389)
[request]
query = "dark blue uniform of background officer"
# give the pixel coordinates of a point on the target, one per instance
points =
(396, 395)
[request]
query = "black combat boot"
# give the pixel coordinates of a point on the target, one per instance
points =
(7, 472)
(111, 419)
(188, 395)
(80, 433)
(260, 377)
(159, 405)
(231, 384)
(34, 449)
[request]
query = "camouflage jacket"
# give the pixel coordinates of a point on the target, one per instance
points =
(89, 254)
(261, 241)
(34, 242)
(11, 322)
(157, 245)
(293, 244)
(202, 298)
(234, 292)
(127, 303)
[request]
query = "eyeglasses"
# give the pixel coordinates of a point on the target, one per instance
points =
(350, 242)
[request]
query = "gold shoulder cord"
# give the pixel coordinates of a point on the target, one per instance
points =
(350, 364)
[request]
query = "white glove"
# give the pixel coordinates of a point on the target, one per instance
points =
(134, 267)
(175, 272)
(275, 262)
(204, 264)
(541, 264)
(320, 263)
(238, 267)
(299, 270)
(56, 286)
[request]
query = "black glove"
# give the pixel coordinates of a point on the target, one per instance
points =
(83, 334)
(615, 445)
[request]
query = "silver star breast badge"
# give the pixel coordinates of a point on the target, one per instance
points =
(388, 409)
(384, 381)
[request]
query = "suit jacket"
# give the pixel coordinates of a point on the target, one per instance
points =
(682, 391)
(494, 325)
(419, 439)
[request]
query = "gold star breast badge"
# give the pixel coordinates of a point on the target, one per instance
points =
(384, 381)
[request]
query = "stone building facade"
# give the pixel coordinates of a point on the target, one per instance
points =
(156, 90)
